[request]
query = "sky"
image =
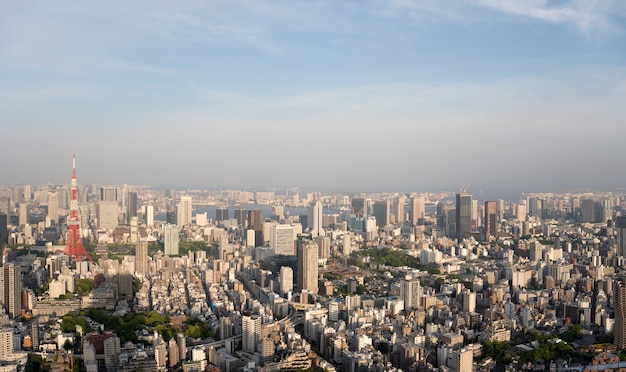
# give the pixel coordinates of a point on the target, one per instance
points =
(413, 95)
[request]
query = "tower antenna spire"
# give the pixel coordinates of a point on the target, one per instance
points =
(74, 242)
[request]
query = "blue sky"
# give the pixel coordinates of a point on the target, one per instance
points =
(397, 94)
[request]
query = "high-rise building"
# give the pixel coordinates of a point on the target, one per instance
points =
(184, 211)
(256, 223)
(417, 209)
(282, 239)
(620, 227)
(131, 205)
(4, 232)
(323, 242)
(221, 214)
(619, 308)
(315, 219)
(308, 266)
(491, 219)
(173, 353)
(108, 194)
(53, 208)
(23, 214)
(241, 215)
(410, 292)
(149, 215)
(286, 280)
(463, 216)
(251, 332)
(11, 288)
(170, 239)
(141, 257)
(181, 341)
(381, 213)
(107, 214)
(398, 209)
(358, 207)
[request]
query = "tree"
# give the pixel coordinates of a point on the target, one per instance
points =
(68, 345)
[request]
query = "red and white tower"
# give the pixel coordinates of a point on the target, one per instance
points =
(75, 247)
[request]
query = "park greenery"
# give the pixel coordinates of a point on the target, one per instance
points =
(391, 257)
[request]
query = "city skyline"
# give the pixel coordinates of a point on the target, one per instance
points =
(403, 95)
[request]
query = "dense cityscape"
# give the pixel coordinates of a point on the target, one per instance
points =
(133, 278)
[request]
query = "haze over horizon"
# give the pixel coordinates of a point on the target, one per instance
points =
(374, 95)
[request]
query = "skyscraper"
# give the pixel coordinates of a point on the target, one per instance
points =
(381, 213)
(256, 222)
(620, 227)
(108, 194)
(184, 211)
(23, 214)
(619, 305)
(398, 209)
(410, 292)
(281, 239)
(170, 239)
(4, 232)
(149, 215)
(315, 219)
(358, 207)
(53, 208)
(221, 214)
(417, 209)
(307, 266)
(11, 289)
(132, 205)
(491, 219)
(141, 257)
(251, 332)
(463, 216)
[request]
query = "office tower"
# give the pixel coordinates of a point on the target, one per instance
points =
(286, 280)
(620, 227)
(588, 210)
(107, 214)
(251, 331)
(184, 211)
(132, 205)
(28, 194)
(410, 292)
(221, 214)
(381, 213)
(522, 210)
(463, 216)
(256, 222)
(307, 266)
(23, 214)
(619, 304)
(417, 209)
(358, 207)
(500, 209)
(323, 242)
(170, 239)
(53, 208)
(108, 194)
(282, 239)
(398, 209)
(141, 257)
(11, 288)
(241, 215)
(315, 219)
(74, 243)
(491, 219)
(149, 215)
(4, 232)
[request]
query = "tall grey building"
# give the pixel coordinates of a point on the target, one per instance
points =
(463, 216)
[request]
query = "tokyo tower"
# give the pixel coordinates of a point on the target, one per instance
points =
(75, 247)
